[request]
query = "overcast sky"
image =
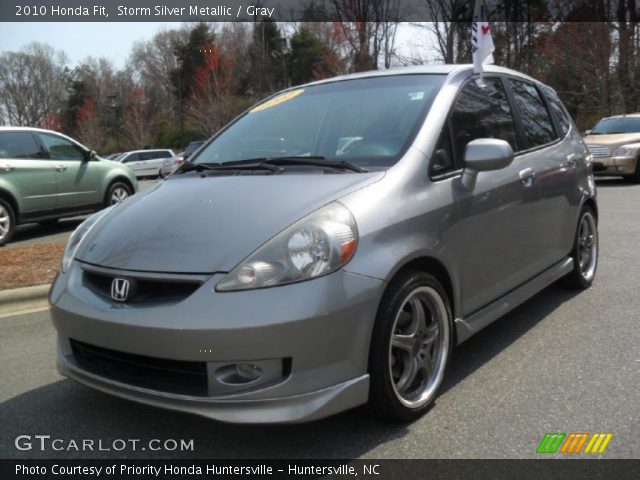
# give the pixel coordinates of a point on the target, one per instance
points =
(114, 40)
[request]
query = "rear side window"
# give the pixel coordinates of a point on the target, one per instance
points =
(60, 148)
(558, 109)
(479, 112)
(19, 145)
(537, 124)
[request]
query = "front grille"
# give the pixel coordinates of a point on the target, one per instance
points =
(598, 151)
(172, 376)
(143, 290)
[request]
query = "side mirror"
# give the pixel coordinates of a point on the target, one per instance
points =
(90, 155)
(482, 155)
(587, 132)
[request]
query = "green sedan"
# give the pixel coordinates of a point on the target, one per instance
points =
(45, 175)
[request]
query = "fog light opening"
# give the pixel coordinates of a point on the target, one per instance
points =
(239, 373)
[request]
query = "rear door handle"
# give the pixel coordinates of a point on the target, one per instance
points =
(7, 167)
(527, 176)
(571, 160)
(60, 168)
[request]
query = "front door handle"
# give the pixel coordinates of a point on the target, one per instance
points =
(60, 168)
(527, 176)
(7, 168)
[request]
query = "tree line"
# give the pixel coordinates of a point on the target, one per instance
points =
(187, 82)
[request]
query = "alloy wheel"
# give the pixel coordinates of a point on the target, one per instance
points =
(588, 246)
(418, 347)
(5, 222)
(118, 195)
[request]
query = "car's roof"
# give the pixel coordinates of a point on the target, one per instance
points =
(32, 129)
(443, 69)
(624, 115)
(42, 130)
(149, 150)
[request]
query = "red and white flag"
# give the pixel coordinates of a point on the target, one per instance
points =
(481, 41)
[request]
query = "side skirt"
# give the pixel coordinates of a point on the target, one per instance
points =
(466, 327)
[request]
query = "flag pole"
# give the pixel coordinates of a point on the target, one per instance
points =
(481, 42)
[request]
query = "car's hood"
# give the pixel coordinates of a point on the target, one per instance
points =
(190, 224)
(614, 140)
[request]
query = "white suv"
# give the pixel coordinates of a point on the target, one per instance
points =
(145, 163)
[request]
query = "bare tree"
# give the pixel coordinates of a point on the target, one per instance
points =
(32, 84)
(450, 27)
(369, 27)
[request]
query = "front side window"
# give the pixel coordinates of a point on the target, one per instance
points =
(481, 111)
(537, 124)
(366, 121)
(19, 145)
(60, 148)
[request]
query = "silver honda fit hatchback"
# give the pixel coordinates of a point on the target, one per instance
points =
(330, 247)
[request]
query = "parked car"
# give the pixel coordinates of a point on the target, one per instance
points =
(45, 176)
(615, 145)
(170, 165)
(336, 242)
(145, 163)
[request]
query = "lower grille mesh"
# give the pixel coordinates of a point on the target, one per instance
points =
(173, 376)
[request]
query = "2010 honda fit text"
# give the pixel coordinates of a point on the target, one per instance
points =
(330, 246)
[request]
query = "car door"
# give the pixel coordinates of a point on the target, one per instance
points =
(554, 163)
(25, 169)
(132, 161)
(494, 237)
(77, 177)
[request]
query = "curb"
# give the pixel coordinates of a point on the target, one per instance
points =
(19, 300)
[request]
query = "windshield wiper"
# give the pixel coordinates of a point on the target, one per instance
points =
(230, 166)
(189, 167)
(316, 161)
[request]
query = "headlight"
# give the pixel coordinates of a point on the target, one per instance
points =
(78, 235)
(624, 152)
(319, 244)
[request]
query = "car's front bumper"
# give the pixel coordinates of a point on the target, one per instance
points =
(614, 166)
(320, 329)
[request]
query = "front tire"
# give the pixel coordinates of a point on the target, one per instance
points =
(584, 252)
(118, 192)
(7, 222)
(410, 347)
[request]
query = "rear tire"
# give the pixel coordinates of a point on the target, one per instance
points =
(584, 252)
(7, 222)
(410, 347)
(118, 192)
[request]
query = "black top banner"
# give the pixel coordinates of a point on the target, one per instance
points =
(314, 10)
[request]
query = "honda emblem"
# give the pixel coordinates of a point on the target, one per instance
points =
(120, 288)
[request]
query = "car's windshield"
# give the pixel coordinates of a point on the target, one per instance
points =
(365, 121)
(617, 125)
(193, 146)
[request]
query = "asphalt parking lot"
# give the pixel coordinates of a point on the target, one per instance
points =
(562, 362)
